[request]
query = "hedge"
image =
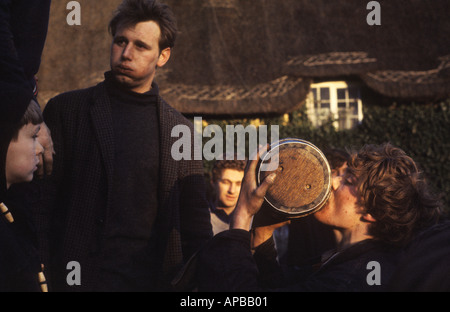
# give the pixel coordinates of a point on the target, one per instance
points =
(421, 130)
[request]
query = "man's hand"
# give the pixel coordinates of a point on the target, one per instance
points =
(251, 196)
(263, 233)
(46, 158)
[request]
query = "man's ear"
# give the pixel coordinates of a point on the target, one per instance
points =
(368, 218)
(164, 57)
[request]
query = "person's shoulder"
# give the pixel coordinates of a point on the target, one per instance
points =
(74, 99)
(364, 252)
(76, 94)
(435, 234)
(424, 265)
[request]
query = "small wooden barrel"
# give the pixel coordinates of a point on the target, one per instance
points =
(303, 182)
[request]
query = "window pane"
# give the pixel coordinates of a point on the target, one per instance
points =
(341, 94)
(333, 100)
(324, 93)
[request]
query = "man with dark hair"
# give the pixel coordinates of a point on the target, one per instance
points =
(120, 205)
(226, 182)
(378, 205)
(337, 158)
(132, 12)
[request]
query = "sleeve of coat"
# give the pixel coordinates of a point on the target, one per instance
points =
(226, 264)
(23, 31)
(15, 90)
(9, 62)
(195, 224)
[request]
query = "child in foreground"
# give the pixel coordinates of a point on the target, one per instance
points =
(20, 268)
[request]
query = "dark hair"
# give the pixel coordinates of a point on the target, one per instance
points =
(220, 165)
(394, 192)
(336, 157)
(33, 115)
(132, 12)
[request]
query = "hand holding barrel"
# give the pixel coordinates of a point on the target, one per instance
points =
(251, 197)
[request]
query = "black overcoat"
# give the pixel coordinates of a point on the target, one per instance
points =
(74, 201)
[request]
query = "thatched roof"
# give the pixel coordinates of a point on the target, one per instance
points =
(425, 84)
(248, 44)
(330, 64)
(240, 57)
(239, 100)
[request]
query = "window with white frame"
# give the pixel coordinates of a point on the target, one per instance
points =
(338, 101)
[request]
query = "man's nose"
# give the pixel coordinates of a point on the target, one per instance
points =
(127, 52)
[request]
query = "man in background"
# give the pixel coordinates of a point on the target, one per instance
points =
(118, 203)
(226, 184)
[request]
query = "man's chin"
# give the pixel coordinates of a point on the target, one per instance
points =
(130, 83)
(226, 205)
(123, 80)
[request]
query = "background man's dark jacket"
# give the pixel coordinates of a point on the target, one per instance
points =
(77, 196)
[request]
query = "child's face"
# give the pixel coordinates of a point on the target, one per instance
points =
(22, 157)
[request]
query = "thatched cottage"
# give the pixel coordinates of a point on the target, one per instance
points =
(239, 58)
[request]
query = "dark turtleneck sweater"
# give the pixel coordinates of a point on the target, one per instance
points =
(127, 245)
